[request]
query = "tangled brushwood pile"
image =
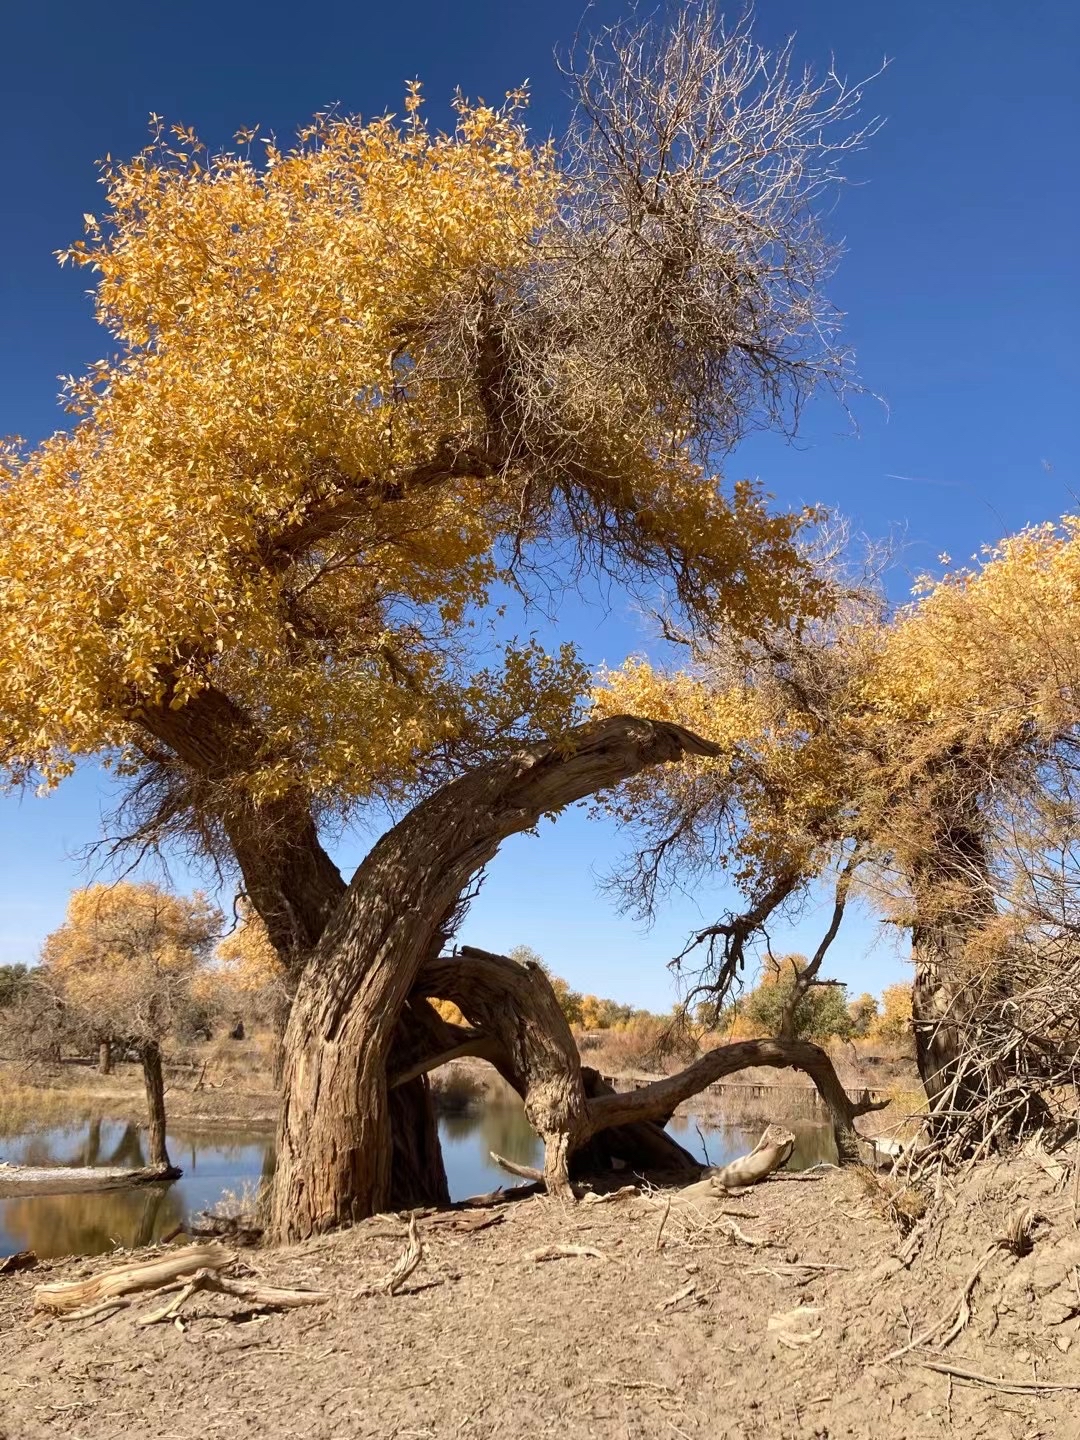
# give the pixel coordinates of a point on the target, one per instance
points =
(1016, 1074)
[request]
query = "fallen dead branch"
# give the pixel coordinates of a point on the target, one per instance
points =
(1012, 1387)
(784, 1268)
(623, 1193)
(195, 1268)
(959, 1317)
(663, 1222)
(464, 1224)
(260, 1297)
(771, 1151)
(70, 1297)
(525, 1172)
(743, 1239)
(564, 1252)
(407, 1262)
(683, 1294)
(501, 1196)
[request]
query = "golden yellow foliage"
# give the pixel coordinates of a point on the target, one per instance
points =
(894, 1022)
(247, 960)
(930, 749)
(449, 1012)
(127, 953)
(284, 486)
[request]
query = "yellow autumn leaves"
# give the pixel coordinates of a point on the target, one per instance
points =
(827, 736)
(264, 314)
(302, 475)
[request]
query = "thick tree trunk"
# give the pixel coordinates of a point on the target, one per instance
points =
(157, 1154)
(417, 1173)
(940, 1009)
(515, 1006)
(334, 1140)
(954, 900)
(105, 1058)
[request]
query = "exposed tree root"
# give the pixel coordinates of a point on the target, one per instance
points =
(1009, 1387)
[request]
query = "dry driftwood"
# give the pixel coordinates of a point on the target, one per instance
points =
(524, 1172)
(71, 1297)
(407, 1262)
(261, 1297)
(771, 1151)
(187, 1271)
(611, 1197)
(564, 1252)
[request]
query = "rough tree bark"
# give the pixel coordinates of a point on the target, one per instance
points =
(334, 1138)
(158, 1155)
(520, 1028)
(294, 886)
(105, 1058)
(954, 899)
(534, 1043)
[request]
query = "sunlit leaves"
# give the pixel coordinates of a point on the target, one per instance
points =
(126, 954)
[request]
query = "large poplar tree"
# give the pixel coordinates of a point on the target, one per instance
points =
(358, 388)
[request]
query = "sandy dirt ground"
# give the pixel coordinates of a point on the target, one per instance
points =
(691, 1332)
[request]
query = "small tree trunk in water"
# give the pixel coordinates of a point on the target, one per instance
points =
(105, 1058)
(150, 1054)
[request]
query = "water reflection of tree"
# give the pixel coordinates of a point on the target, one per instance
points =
(814, 1141)
(93, 1222)
(505, 1130)
(502, 1128)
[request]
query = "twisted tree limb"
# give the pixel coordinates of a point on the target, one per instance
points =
(334, 1137)
(661, 1097)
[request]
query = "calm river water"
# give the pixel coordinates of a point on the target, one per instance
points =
(219, 1161)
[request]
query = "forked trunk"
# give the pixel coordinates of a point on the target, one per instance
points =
(335, 1146)
(158, 1155)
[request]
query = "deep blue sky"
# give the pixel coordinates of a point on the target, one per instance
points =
(959, 286)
